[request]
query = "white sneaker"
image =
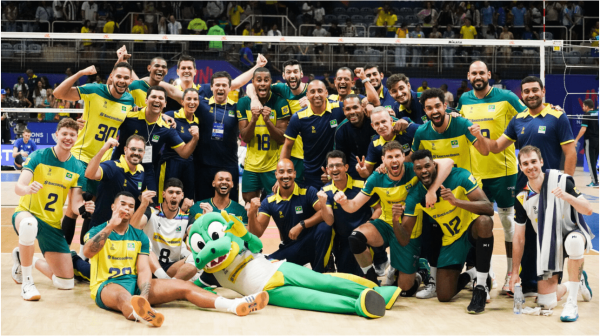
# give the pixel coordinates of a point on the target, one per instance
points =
(16, 273)
(250, 303)
(142, 311)
(584, 288)
(390, 279)
(494, 282)
(428, 292)
(569, 313)
(380, 269)
(506, 288)
(29, 292)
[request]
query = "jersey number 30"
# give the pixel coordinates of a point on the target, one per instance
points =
(105, 132)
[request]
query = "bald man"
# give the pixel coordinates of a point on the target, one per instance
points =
(316, 124)
(305, 237)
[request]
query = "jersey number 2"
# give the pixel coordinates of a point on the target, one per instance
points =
(52, 198)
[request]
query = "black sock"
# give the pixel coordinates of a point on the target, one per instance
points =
(463, 280)
(411, 291)
(68, 228)
(485, 247)
(84, 229)
(371, 275)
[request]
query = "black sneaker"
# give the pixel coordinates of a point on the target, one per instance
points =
(477, 304)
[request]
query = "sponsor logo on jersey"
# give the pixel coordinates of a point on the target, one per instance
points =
(454, 143)
(299, 210)
(155, 138)
(542, 129)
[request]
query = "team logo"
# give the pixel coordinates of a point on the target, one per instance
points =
(272, 114)
(433, 146)
(333, 123)
(542, 129)
(49, 171)
(454, 143)
(112, 247)
(424, 118)
(523, 130)
(211, 110)
(231, 113)
(69, 177)
(285, 110)
(181, 129)
(472, 179)
(123, 108)
(239, 114)
(139, 185)
(124, 183)
(130, 247)
(408, 186)
(299, 210)
(405, 147)
(178, 229)
(491, 108)
(155, 138)
(280, 214)
(104, 104)
(313, 129)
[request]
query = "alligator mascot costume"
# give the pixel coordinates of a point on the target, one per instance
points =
(222, 246)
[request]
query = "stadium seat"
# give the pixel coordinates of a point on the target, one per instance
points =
(417, 10)
(360, 56)
(400, 19)
(367, 10)
(357, 19)
(339, 10)
(587, 57)
(34, 50)
(517, 56)
(548, 36)
(7, 50)
(352, 10)
(390, 55)
(574, 57)
(328, 18)
(375, 56)
(20, 48)
(557, 58)
(476, 56)
(411, 19)
(405, 11)
(369, 19)
(342, 18)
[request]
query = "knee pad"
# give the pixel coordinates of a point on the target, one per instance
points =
(28, 230)
(62, 283)
(547, 301)
(575, 245)
(358, 242)
(508, 224)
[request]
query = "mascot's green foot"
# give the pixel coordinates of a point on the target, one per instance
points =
(390, 294)
(370, 304)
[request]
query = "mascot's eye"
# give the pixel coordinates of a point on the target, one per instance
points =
(196, 242)
(216, 230)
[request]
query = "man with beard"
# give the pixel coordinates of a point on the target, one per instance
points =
(407, 103)
(387, 130)
(172, 165)
(343, 222)
(223, 183)
(105, 109)
(463, 214)
(305, 238)
(550, 131)
(166, 226)
(492, 108)
(262, 130)
(392, 188)
(316, 124)
(294, 91)
(375, 76)
(219, 124)
(343, 80)
(139, 87)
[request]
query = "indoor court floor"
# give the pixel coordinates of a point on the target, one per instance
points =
(73, 312)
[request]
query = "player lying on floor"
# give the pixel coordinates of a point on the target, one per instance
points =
(222, 246)
(121, 279)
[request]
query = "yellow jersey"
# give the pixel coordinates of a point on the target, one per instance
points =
(293, 100)
(139, 91)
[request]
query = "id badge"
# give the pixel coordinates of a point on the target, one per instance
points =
(217, 131)
(147, 155)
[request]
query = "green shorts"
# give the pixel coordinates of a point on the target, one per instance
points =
(501, 190)
(404, 258)
(252, 181)
(456, 253)
(49, 238)
(129, 282)
(299, 167)
(88, 185)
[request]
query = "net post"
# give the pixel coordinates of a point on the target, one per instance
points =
(543, 66)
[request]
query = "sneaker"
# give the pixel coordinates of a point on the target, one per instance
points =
(391, 279)
(380, 268)
(595, 185)
(29, 292)
(506, 288)
(16, 273)
(250, 303)
(584, 288)
(143, 312)
(493, 276)
(428, 292)
(470, 285)
(424, 265)
(569, 313)
(478, 300)
(488, 285)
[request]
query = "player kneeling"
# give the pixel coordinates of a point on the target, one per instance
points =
(553, 206)
(49, 176)
(121, 279)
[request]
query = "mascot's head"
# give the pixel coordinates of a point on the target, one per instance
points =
(212, 247)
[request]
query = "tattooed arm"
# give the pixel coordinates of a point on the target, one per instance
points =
(144, 275)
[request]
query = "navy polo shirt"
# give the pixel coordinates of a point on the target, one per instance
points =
(354, 141)
(385, 99)
(287, 213)
(414, 111)
(223, 153)
(317, 133)
(405, 138)
(548, 131)
(183, 130)
(344, 222)
(116, 177)
(157, 134)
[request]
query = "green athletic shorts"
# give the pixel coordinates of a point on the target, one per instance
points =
(88, 185)
(299, 167)
(456, 253)
(129, 282)
(501, 190)
(404, 258)
(49, 238)
(252, 181)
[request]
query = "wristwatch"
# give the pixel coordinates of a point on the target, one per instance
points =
(302, 224)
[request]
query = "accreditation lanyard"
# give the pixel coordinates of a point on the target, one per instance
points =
(148, 153)
(218, 127)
